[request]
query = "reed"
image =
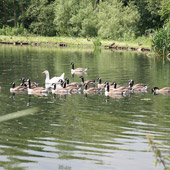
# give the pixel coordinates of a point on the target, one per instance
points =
(161, 41)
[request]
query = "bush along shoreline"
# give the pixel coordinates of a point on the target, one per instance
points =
(161, 41)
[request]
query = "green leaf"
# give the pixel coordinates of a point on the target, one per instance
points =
(156, 162)
(166, 168)
(166, 157)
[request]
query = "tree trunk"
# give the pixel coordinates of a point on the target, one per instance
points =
(96, 3)
(22, 9)
(15, 14)
(5, 12)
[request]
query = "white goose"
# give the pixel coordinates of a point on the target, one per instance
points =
(54, 80)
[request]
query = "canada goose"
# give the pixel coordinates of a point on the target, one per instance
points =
(88, 82)
(76, 84)
(91, 90)
(118, 91)
(77, 70)
(73, 89)
(165, 90)
(138, 87)
(61, 90)
(114, 85)
(22, 87)
(33, 84)
(35, 90)
(52, 80)
(100, 84)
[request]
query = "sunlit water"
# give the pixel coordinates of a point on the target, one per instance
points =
(76, 131)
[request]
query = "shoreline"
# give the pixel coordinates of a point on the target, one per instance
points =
(68, 41)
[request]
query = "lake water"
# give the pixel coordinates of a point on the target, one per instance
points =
(76, 132)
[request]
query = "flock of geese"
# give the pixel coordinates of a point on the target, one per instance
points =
(60, 85)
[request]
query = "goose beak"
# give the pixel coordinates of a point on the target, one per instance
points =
(43, 72)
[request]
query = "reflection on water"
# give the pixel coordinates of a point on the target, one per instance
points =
(81, 131)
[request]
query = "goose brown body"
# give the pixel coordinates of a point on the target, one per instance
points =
(91, 90)
(18, 88)
(75, 84)
(138, 87)
(116, 91)
(61, 90)
(88, 82)
(35, 90)
(165, 90)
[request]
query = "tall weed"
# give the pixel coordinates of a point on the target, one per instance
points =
(13, 31)
(161, 41)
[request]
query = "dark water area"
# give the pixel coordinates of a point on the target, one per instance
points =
(75, 132)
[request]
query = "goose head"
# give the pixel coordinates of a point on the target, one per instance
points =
(45, 72)
(131, 83)
(153, 90)
(67, 80)
(100, 80)
(13, 84)
(23, 82)
(72, 65)
(23, 79)
(82, 78)
(64, 84)
(107, 87)
(61, 82)
(54, 86)
(114, 85)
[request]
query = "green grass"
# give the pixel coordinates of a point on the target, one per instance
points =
(146, 42)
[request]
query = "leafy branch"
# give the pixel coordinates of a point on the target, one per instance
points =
(157, 152)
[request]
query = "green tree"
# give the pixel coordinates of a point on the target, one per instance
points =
(165, 10)
(40, 16)
(117, 21)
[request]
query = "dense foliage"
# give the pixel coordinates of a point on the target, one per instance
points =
(109, 19)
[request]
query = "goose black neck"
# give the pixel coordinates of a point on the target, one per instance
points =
(13, 85)
(130, 85)
(54, 86)
(100, 81)
(82, 78)
(85, 87)
(72, 66)
(67, 80)
(64, 84)
(115, 85)
(61, 82)
(29, 83)
(107, 88)
(23, 80)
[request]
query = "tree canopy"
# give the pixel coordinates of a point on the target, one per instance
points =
(111, 19)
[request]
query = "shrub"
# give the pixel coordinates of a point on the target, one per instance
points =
(13, 31)
(161, 41)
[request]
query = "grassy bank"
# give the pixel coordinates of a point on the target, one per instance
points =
(72, 41)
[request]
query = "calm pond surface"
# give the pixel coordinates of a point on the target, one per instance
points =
(77, 132)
